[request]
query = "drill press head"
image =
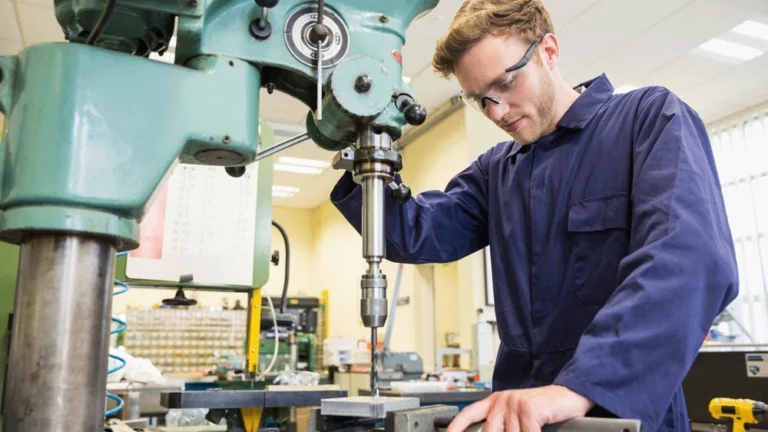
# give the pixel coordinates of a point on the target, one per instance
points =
(220, 62)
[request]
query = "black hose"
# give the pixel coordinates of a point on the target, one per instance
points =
(98, 29)
(284, 300)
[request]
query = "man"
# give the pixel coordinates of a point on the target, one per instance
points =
(611, 250)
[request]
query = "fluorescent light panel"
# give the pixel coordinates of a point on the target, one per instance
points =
(311, 163)
(280, 194)
(288, 189)
(297, 169)
(731, 49)
(753, 29)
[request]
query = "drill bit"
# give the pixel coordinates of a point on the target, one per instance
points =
(374, 362)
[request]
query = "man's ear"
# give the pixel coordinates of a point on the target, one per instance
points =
(549, 50)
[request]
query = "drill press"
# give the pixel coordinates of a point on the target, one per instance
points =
(95, 128)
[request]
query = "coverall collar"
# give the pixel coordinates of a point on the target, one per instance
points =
(596, 92)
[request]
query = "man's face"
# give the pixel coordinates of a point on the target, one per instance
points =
(526, 96)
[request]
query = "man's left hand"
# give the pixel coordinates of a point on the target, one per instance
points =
(523, 410)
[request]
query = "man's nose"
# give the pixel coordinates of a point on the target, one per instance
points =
(496, 111)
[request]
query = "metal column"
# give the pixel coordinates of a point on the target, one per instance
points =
(57, 373)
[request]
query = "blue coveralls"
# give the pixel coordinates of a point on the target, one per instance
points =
(611, 250)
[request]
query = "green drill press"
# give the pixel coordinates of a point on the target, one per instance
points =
(95, 128)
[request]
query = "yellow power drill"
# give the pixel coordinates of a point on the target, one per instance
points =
(742, 411)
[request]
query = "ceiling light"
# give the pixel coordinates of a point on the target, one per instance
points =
(288, 189)
(731, 49)
(312, 163)
(297, 169)
(624, 89)
(279, 194)
(753, 29)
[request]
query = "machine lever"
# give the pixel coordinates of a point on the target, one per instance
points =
(318, 35)
(277, 148)
(238, 171)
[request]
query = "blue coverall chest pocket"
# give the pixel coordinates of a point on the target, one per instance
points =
(599, 233)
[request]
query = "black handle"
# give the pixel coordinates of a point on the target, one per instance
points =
(235, 171)
(402, 194)
(267, 3)
(415, 114)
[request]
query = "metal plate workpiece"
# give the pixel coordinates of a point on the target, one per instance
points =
(247, 398)
(366, 406)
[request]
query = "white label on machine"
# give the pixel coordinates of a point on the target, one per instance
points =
(202, 223)
(757, 365)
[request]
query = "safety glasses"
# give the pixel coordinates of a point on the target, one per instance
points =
(503, 84)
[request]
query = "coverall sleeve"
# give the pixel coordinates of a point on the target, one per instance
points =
(681, 271)
(434, 226)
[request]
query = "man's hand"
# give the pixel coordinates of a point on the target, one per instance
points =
(523, 410)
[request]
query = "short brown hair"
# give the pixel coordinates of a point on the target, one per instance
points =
(476, 19)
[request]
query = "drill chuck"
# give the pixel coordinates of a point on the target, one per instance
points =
(373, 304)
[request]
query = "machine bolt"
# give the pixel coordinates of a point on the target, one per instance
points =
(270, 87)
(226, 139)
(319, 33)
(259, 30)
(384, 19)
(363, 83)
(193, 3)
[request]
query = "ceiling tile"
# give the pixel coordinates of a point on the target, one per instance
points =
(686, 72)
(608, 24)
(39, 24)
(752, 6)
(281, 108)
(422, 35)
(626, 64)
(433, 92)
(731, 91)
(417, 56)
(8, 47)
(9, 28)
(694, 24)
(565, 11)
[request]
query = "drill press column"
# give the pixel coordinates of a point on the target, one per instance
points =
(57, 373)
(374, 166)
